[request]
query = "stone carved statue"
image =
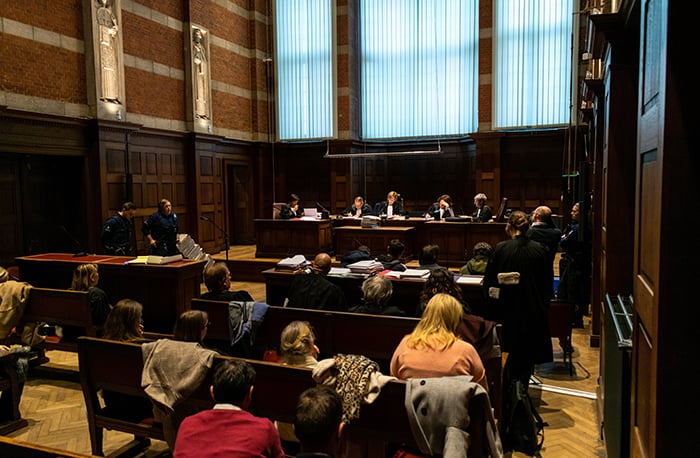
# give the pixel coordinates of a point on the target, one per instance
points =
(109, 57)
(201, 75)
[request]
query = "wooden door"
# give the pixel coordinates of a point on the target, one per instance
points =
(666, 241)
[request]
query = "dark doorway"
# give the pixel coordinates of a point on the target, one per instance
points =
(240, 204)
(42, 205)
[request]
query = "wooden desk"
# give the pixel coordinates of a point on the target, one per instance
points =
(456, 240)
(406, 293)
(348, 238)
(281, 238)
(164, 291)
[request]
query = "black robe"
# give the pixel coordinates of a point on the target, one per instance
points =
(522, 308)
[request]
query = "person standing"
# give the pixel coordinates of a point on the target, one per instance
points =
(544, 230)
(161, 229)
(575, 266)
(117, 232)
(483, 213)
(518, 283)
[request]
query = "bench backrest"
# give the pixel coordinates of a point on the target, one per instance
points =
(117, 366)
(373, 336)
(59, 306)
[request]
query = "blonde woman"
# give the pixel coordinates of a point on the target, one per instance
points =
(298, 345)
(85, 278)
(297, 348)
(434, 348)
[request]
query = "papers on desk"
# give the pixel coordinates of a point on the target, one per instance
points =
(151, 259)
(366, 267)
(408, 273)
(477, 280)
(339, 271)
(295, 262)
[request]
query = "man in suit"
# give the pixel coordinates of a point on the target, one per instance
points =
(544, 230)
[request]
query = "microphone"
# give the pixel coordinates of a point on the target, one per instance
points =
(223, 231)
(80, 252)
(325, 214)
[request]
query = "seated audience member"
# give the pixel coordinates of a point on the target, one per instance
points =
(174, 368)
(477, 263)
(20, 367)
(217, 277)
(297, 348)
(85, 278)
(428, 258)
(310, 289)
(360, 254)
(482, 214)
(229, 429)
(543, 230)
(318, 422)
(358, 209)
(124, 323)
(298, 345)
(441, 209)
(441, 281)
(434, 348)
(291, 209)
(392, 259)
(391, 207)
(376, 293)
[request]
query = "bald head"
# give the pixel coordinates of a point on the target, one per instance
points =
(321, 264)
(542, 214)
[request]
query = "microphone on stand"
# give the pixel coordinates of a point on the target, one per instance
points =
(204, 218)
(80, 251)
(325, 214)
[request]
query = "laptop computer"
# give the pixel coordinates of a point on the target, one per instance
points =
(310, 212)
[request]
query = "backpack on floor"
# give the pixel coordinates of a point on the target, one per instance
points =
(523, 428)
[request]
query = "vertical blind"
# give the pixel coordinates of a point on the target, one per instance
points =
(419, 67)
(532, 62)
(305, 69)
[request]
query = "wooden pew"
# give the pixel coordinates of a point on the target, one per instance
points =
(19, 449)
(9, 382)
(117, 366)
(373, 336)
(60, 307)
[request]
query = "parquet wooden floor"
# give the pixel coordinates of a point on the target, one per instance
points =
(55, 408)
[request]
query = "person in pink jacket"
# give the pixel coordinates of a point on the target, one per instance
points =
(434, 348)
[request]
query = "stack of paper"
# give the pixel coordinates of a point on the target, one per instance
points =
(294, 263)
(163, 259)
(365, 267)
(415, 273)
(471, 280)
